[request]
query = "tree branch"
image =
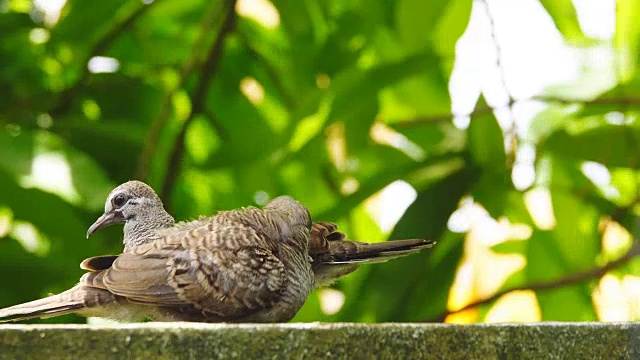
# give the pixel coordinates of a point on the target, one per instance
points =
(272, 73)
(100, 47)
(208, 70)
(510, 132)
(484, 110)
(579, 277)
(192, 62)
(623, 101)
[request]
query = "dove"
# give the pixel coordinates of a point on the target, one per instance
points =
(244, 265)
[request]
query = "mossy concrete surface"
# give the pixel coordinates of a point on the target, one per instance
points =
(331, 341)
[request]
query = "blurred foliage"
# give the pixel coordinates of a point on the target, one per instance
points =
(328, 101)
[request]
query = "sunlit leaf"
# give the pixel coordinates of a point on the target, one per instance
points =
(432, 271)
(611, 145)
(627, 35)
(565, 17)
(486, 141)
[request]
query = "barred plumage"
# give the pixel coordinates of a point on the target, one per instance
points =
(246, 265)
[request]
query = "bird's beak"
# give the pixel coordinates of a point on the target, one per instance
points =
(106, 219)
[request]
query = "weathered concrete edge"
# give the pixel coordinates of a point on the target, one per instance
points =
(312, 340)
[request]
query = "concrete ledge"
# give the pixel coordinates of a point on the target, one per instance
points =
(335, 341)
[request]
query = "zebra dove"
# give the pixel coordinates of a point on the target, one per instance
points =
(246, 265)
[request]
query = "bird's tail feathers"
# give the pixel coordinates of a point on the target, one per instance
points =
(334, 257)
(54, 305)
(352, 252)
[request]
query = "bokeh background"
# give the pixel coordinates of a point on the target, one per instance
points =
(506, 130)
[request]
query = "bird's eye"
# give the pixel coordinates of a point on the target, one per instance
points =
(119, 200)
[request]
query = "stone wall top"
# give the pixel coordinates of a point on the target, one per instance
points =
(322, 340)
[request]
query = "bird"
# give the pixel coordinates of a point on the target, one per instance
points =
(245, 265)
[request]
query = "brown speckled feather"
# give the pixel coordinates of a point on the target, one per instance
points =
(229, 266)
(228, 282)
(334, 257)
(246, 265)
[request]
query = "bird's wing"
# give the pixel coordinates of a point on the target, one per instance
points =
(213, 269)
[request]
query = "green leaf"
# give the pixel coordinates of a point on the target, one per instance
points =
(437, 23)
(553, 304)
(450, 26)
(576, 233)
(28, 276)
(627, 36)
(355, 86)
(492, 191)
(426, 277)
(552, 256)
(511, 247)
(623, 189)
(549, 120)
(565, 17)
(486, 140)
(429, 171)
(607, 144)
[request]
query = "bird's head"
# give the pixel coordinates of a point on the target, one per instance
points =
(132, 203)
